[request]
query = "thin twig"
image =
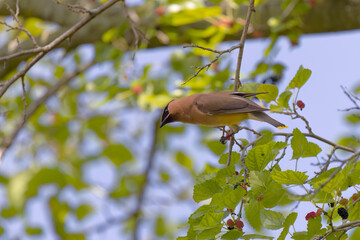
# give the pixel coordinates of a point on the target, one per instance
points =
(150, 163)
(34, 106)
(92, 14)
(237, 82)
(312, 135)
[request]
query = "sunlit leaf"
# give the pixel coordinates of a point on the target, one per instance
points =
(300, 78)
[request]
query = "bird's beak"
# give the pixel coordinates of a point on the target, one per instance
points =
(163, 121)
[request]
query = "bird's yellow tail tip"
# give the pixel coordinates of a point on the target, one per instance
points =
(282, 127)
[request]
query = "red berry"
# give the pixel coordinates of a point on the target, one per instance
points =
(137, 89)
(236, 173)
(160, 10)
(244, 187)
(319, 212)
(310, 215)
(344, 201)
(354, 197)
(261, 197)
(239, 224)
(229, 210)
(230, 223)
(300, 104)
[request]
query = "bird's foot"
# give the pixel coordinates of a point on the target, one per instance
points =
(223, 139)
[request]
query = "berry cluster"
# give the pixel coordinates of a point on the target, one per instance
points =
(237, 224)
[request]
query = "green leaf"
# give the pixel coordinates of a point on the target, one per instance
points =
(209, 233)
(312, 150)
(216, 147)
(255, 236)
(249, 87)
(299, 144)
(229, 198)
(118, 154)
(252, 213)
(268, 136)
(160, 226)
(271, 92)
(300, 78)
(205, 190)
(284, 98)
(232, 235)
(83, 210)
(235, 157)
(33, 231)
(290, 220)
(209, 220)
(271, 219)
(9, 212)
(289, 177)
(259, 156)
(187, 16)
(183, 160)
(276, 108)
(314, 226)
(1, 230)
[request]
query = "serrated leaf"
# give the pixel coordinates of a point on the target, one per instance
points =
(259, 156)
(312, 150)
(209, 220)
(284, 98)
(299, 144)
(252, 213)
(289, 177)
(235, 157)
(314, 226)
(270, 92)
(205, 190)
(232, 235)
(268, 136)
(271, 219)
(290, 220)
(300, 78)
(229, 198)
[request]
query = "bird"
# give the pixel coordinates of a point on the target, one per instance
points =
(216, 109)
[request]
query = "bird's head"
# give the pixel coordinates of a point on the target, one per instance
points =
(166, 116)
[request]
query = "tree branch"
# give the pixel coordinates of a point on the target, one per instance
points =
(92, 14)
(35, 106)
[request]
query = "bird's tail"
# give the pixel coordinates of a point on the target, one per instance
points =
(266, 118)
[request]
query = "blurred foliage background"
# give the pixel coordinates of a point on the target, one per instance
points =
(90, 163)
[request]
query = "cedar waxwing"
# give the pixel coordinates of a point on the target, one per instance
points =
(216, 110)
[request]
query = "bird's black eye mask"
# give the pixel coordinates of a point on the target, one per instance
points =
(165, 116)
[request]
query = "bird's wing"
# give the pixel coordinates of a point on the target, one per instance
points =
(226, 103)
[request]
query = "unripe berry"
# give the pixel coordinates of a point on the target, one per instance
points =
(229, 210)
(344, 201)
(261, 197)
(310, 215)
(338, 193)
(300, 104)
(319, 212)
(354, 197)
